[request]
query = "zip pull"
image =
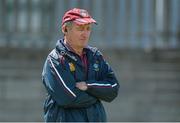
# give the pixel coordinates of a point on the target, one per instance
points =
(67, 54)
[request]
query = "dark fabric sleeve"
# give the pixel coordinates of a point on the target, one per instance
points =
(107, 87)
(60, 84)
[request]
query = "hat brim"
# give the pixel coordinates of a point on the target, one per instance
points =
(82, 21)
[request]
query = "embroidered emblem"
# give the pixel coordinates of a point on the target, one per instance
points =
(84, 13)
(96, 67)
(72, 67)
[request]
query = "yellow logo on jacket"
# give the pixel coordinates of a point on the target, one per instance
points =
(71, 67)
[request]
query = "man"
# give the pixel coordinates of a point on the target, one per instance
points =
(76, 76)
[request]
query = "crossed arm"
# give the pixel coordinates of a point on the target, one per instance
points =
(106, 88)
(61, 86)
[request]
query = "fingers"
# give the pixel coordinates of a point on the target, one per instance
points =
(81, 85)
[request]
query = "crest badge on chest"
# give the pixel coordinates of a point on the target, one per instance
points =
(72, 67)
(96, 66)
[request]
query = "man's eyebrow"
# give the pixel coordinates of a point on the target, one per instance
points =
(80, 27)
(83, 26)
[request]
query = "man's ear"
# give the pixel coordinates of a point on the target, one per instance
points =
(64, 29)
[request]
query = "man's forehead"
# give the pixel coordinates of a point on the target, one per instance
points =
(82, 25)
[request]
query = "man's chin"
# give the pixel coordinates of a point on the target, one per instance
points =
(83, 46)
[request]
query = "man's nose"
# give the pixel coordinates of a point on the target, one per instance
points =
(85, 33)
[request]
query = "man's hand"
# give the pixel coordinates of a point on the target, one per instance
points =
(82, 86)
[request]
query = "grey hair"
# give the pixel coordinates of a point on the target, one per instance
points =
(68, 24)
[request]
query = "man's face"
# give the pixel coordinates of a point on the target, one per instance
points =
(78, 35)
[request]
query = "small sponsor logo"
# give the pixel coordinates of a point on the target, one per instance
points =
(72, 67)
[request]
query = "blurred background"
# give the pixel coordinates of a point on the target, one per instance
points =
(139, 38)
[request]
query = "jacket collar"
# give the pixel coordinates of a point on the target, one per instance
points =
(60, 46)
(64, 50)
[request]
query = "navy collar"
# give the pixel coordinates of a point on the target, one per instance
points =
(61, 46)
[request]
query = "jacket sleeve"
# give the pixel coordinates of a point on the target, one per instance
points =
(60, 84)
(106, 88)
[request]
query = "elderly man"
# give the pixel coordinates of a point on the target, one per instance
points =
(76, 76)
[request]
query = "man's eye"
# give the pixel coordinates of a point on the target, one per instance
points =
(89, 28)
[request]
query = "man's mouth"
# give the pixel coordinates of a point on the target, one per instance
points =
(83, 39)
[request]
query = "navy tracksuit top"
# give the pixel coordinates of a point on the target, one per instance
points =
(65, 102)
